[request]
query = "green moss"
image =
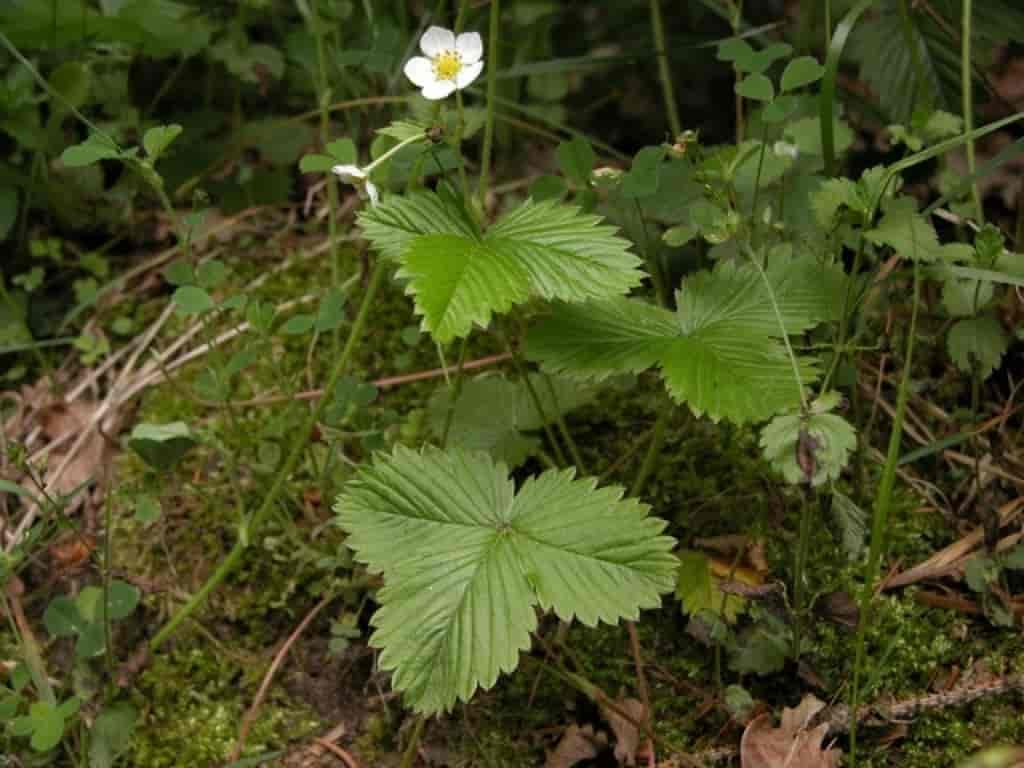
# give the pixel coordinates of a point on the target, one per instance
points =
(192, 703)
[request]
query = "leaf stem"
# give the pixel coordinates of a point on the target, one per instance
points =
(880, 521)
(967, 90)
(252, 526)
(664, 69)
(494, 38)
(455, 391)
(563, 427)
(409, 756)
(657, 441)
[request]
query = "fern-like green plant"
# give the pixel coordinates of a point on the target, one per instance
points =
(466, 561)
(460, 275)
(719, 352)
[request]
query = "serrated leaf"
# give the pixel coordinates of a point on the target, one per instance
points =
(852, 522)
(719, 352)
(466, 560)
(756, 87)
(157, 140)
(907, 232)
(460, 278)
(978, 341)
(811, 449)
(963, 298)
(402, 130)
(831, 196)
(800, 72)
(477, 425)
(576, 160)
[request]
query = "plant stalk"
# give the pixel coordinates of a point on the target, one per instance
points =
(252, 526)
(967, 91)
(493, 41)
(665, 69)
(409, 756)
(880, 521)
(651, 457)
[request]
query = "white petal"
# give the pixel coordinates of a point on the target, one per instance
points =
(420, 71)
(371, 190)
(349, 173)
(471, 46)
(468, 74)
(437, 39)
(439, 89)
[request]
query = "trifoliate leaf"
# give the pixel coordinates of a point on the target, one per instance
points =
(477, 425)
(800, 72)
(808, 449)
(719, 352)
(978, 341)
(466, 560)
(460, 277)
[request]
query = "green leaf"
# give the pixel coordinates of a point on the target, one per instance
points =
(576, 160)
(466, 560)
(831, 196)
(852, 522)
(297, 325)
(719, 352)
(643, 176)
(910, 234)
(316, 163)
(147, 509)
(548, 187)
(192, 300)
(95, 148)
(72, 80)
(763, 648)
(162, 445)
(400, 130)
(963, 298)
(47, 726)
(211, 273)
(978, 341)
(811, 449)
(460, 278)
(62, 618)
(800, 72)
(111, 734)
(478, 426)
(697, 588)
(157, 140)
(179, 273)
(122, 601)
(756, 87)
(331, 311)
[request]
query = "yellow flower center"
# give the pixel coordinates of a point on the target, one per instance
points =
(447, 65)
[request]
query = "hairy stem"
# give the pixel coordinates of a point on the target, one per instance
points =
(967, 91)
(651, 457)
(455, 391)
(664, 69)
(255, 522)
(409, 756)
(494, 38)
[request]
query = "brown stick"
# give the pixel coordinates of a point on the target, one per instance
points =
(253, 711)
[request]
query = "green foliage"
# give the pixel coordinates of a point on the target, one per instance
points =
(809, 448)
(478, 425)
(466, 559)
(697, 588)
(85, 618)
(459, 277)
(719, 352)
(162, 445)
(977, 344)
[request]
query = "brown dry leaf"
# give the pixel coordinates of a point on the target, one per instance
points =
(71, 551)
(627, 735)
(576, 745)
(791, 745)
(93, 459)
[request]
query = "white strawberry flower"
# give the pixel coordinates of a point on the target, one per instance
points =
(450, 64)
(357, 177)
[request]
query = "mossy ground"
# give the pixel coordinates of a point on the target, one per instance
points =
(708, 481)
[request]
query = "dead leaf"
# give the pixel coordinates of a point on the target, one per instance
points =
(576, 745)
(71, 551)
(92, 461)
(791, 745)
(627, 735)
